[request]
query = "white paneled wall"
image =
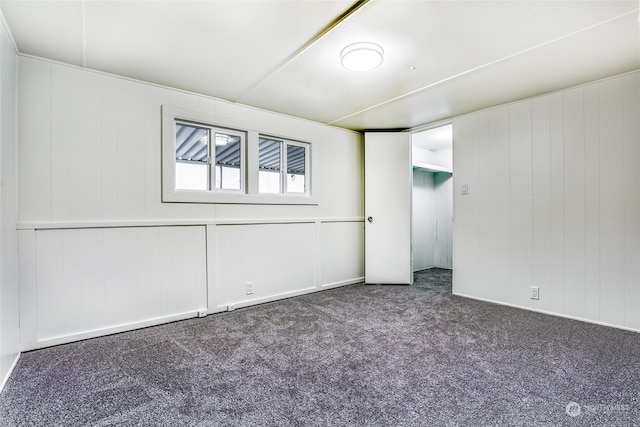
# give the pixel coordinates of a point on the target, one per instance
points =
(340, 243)
(9, 317)
(279, 259)
(100, 252)
(554, 202)
(443, 256)
(89, 282)
(432, 220)
(423, 221)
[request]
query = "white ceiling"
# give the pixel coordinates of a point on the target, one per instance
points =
(442, 58)
(434, 139)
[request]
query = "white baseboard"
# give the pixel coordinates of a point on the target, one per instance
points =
(343, 283)
(6, 377)
(64, 339)
(271, 298)
(550, 313)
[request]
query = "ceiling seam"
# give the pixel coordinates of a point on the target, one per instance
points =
(316, 38)
(480, 67)
(7, 30)
(84, 35)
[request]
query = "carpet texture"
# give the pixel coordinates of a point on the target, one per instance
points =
(353, 356)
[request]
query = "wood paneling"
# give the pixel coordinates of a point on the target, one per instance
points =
(564, 202)
(93, 259)
(541, 197)
(612, 221)
(520, 203)
(443, 256)
(90, 151)
(423, 224)
(631, 141)
(432, 225)
(34, 148)
(90, 280)
(341, 252)
(278, 258)
(574, 201)
(9, 303)
(499, 202)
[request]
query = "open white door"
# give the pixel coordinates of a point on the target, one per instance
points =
(388, 180)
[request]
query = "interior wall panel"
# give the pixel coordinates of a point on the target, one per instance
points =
(483, 188)
(612, 220)
(95, 140)
(84, 146)
(631, 110)
(465, 242)
(432, 220)
(500, 204)
(34, 149)
(120, 255)
(93, 281)
(51, 310)
(592, 168)
(444, 220)
(541, 198)
(556, 285)
(423, 224)
(564, 178)
(130, 148)
(574, 200)
(9, 302)
(278, 259)
(108, 161)
(90, 204)
(60, 144)
(340, 252)
(27, 271)
(520, 204)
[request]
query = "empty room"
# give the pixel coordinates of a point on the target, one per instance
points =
(319, 212)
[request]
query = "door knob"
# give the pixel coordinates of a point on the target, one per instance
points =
(370, 219)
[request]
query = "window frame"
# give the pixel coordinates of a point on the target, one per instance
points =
(284, 163)
(249, 194)
(212, 156)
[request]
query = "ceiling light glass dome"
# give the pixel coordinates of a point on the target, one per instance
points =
(362, 56)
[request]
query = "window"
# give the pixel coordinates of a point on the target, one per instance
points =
(211, 159)
(282, 166)
(207, 158)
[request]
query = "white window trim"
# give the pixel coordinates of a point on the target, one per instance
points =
(284, 165)
(250, 195)
(213, 157)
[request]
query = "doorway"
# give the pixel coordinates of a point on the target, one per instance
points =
(432, 196)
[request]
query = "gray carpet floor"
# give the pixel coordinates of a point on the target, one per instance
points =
(353, 356)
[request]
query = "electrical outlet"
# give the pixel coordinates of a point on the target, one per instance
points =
(249, 288)
(535, 292)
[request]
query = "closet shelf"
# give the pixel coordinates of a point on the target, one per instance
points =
(431, 167)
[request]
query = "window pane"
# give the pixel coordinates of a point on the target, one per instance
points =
(296, 162)
(192, 157)
(228, 154)
(269, 165)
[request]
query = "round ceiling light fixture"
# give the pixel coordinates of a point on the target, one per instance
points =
(362, 56)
